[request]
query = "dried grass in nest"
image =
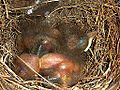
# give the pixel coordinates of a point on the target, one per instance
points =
(102, 70)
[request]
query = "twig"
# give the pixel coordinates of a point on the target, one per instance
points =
(6, 9)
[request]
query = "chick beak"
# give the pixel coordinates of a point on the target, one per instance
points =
(90, 35)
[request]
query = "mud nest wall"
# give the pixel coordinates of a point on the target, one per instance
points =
(102, 71)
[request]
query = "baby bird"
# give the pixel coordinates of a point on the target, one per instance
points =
(53, 66)
(64, 38)
(60, 69)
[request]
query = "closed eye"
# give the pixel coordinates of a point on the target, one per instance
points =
(82, 42)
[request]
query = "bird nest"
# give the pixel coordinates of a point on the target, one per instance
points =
(102, 70)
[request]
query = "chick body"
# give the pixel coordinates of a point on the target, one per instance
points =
(22, 70)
